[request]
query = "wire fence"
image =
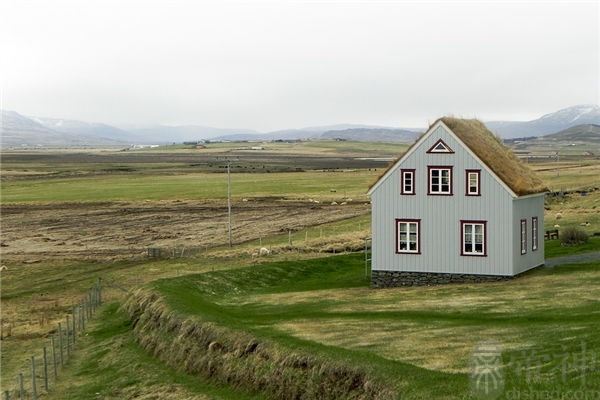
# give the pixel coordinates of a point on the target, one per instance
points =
(44, 367)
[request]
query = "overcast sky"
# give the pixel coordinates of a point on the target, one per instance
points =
(269, 65)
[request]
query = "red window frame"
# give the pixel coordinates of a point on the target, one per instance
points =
(483, 242)
(408, 221)
(432, 149)
(403, 174)
(468, 172)
(430, 168)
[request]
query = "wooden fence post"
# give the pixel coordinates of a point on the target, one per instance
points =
(45, 370)
(74, 323)
(53, 357)
(81, 311)
(21, 386)
(60, 345)
(33, 384)
(68, 339)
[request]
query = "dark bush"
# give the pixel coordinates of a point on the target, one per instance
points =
(573, 236)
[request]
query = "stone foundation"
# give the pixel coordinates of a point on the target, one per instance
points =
(386, 279)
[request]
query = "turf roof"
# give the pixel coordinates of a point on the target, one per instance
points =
(498, 158)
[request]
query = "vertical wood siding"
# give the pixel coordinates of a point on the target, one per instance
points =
(526, 208)
(441, 215)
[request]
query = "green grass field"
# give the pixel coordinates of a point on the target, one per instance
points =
(417, 340)
(135, 187)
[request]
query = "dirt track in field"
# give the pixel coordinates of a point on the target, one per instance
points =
(32, 232)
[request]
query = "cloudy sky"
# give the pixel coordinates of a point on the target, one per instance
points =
(269, 65)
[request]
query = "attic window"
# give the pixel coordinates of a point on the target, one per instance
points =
(440, 180)
(440, 147)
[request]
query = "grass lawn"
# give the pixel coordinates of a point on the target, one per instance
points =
(554, 248)
(303, 185)
(418, 340)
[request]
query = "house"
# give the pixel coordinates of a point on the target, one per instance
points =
(457, 206)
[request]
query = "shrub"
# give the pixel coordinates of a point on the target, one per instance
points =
(573, 236)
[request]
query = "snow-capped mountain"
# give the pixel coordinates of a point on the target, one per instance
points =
(549, 123)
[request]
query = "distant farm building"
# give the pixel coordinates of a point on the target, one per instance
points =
(457, 206)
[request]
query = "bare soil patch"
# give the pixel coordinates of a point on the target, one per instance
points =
(33, 232)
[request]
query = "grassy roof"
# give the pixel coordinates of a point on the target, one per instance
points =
(500, 159)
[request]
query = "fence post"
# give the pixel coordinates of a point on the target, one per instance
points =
(33, 384)
(82, 312)
(21, 386)
(45, 370)
(99, 291)
(60, 345)
(68, 339)
(53, 357)
(74, 323)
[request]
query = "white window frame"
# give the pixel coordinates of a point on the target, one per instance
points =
(440, 177)
(523, 236)
(471, 238)
(477, 174)
(408, 237)
(404, 173)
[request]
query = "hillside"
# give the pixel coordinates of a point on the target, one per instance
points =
(579, 133)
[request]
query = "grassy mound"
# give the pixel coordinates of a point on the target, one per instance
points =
(242, 360)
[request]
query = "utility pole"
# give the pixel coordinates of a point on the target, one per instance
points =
(229, 201)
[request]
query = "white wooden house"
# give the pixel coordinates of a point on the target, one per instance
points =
(457, 206)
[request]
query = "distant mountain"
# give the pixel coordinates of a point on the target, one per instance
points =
(372, 135)
(549, 123)
(96, 130)
(20, 131)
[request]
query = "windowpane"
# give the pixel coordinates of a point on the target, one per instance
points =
(473, 238)
(408, 237)
(408, 177)
(440, 180)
